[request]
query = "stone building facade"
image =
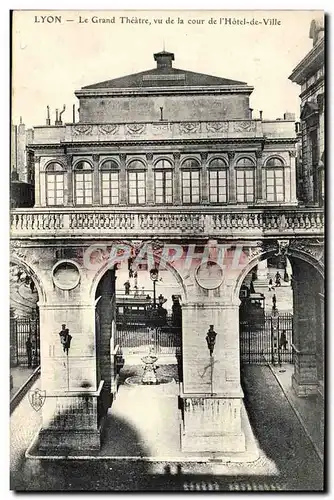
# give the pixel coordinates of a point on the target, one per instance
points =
(310, 75)
(161, 159)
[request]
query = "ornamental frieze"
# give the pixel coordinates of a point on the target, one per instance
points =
(217, 126)
(108, 129)
(314, 248)
(135, 128)
(189, 127)
(246, 126)
(83, 129)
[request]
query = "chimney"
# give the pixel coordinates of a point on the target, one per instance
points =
(164, 59)
(48, 121)
(261, 112)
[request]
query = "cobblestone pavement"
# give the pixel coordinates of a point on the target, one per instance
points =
(277, 429)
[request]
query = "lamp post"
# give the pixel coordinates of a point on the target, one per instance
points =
(154, 275)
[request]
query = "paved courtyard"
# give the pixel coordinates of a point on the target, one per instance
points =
(144, 423)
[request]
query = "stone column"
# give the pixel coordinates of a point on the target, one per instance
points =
(205, 179)
(96, 180)
(262, 270)
(149, 180)
(292, 180)
(71, 416)
(304, 379)
(232, 198)
(123, 182)
(177, 180)
(37, 182)
(212, 396)
(70, 181)
(258, 191)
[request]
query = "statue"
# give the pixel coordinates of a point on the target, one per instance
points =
(65, 338)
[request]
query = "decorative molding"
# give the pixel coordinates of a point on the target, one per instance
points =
(189, 127)
(231, 155)
(314, 248)
(135, 128)
(283, 246)
(176, 155)
(246, 126)
(292, 153)
(122, 157)
(83, 129)
(204, 156)
(158, 128)
(108, 129)
(149, 156)
(96, 158)
(258, 154)
(217, 127)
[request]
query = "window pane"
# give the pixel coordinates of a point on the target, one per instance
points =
(186, 175)
(270, 197)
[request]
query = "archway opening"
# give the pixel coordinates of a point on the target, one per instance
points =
(139, 348)
(24, 326)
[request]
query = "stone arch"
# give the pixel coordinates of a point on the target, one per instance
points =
(166, 265)
(33, 275)
(298, 254)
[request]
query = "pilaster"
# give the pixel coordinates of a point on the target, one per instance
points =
(69, 175)
(96, 180)
(177, 179)
(292, 180)
(259, 163)
(149, 180)
(232, 181)
(122, 180)
(205, 179)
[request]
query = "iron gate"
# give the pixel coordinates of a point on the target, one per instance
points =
(139, 339)
(24, 342)
(260, 344)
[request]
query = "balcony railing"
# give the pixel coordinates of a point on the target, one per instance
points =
(166, 222)
(161, 130)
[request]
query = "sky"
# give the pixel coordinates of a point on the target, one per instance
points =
(50, 61)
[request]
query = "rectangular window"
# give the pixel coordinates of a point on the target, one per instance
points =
(218, 186)
(275, 185)
(245, 186)
(55, 189)
(83, 188)
(163, 187)
(110, 188)
(190, 186)
(136, 186)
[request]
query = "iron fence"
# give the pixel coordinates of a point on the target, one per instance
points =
(265, 341)
(24, 342)
(162, 340)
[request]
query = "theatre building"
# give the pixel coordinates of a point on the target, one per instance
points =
(163, 157)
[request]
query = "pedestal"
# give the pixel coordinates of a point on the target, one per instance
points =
(212, 424)
(72, 422)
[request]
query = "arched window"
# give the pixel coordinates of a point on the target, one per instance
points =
(54, 184)
(83, 183)
(218, 181)
(245, 180)
(275, 179)
(163, 182)
(109, 183)
(136, 182)
(190, 181)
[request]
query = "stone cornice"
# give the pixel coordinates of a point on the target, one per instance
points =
(310, 64)
(148, 91)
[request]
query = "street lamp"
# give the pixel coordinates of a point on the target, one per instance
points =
(154, 275)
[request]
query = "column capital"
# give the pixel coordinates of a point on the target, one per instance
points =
(96, 157)
(231, 155)
(204, 156)
(69, 158)
(149, 156)
(122, 157)
(292, 153)
(177, 155)
(259, 154)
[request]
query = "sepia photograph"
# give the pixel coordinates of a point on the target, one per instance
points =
(167, 294)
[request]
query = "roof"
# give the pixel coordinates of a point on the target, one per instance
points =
(164, 75)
